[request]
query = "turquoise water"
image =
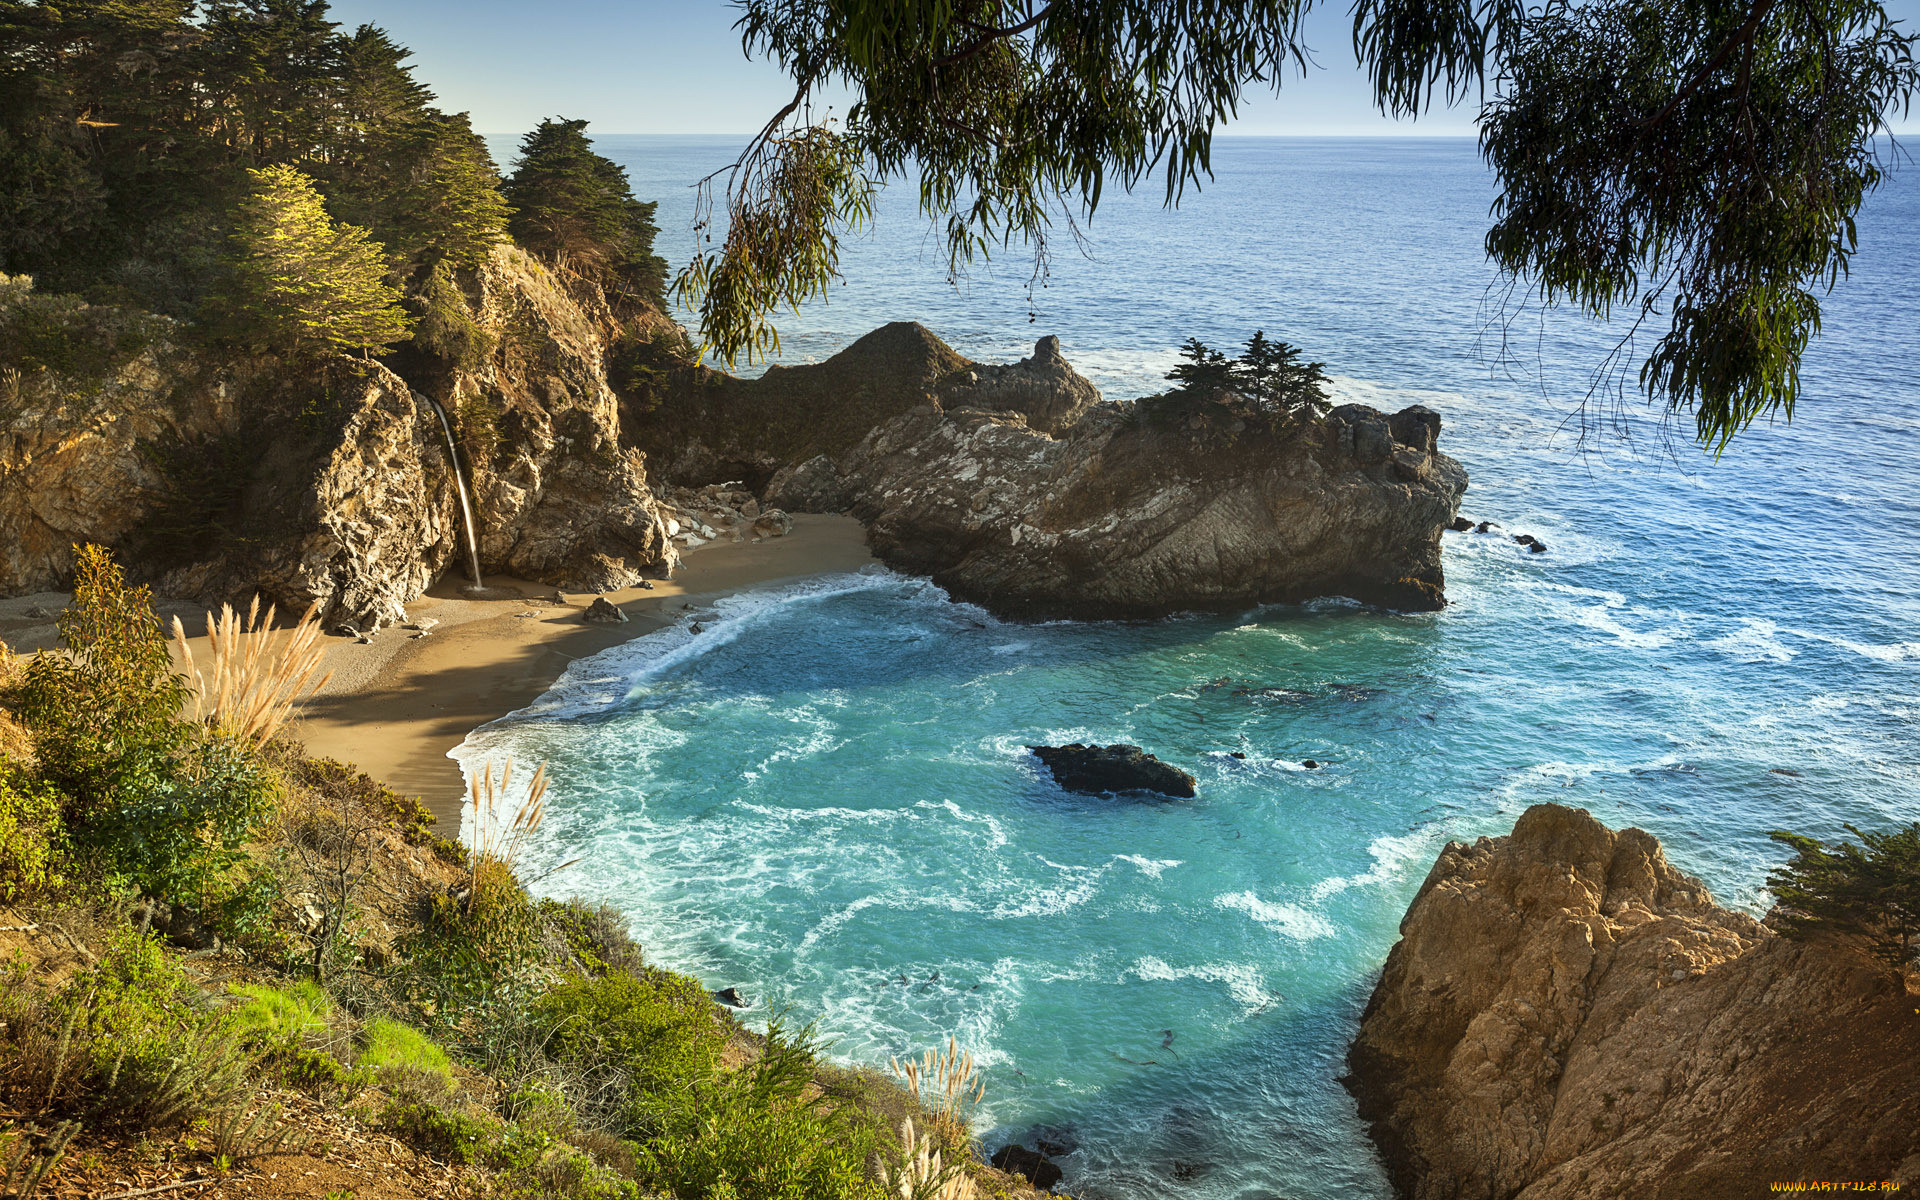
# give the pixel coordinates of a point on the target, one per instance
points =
(825, 798)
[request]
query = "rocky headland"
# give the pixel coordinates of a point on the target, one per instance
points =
(1568, 1017)
(596, 452)
(215, 476)
(1016, 487)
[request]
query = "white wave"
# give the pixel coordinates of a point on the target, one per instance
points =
(1075, 887)
(1243, 982)
(1827, 703)
(1288, 920)
(1392, 855)
(1152, 867)
(1757, 639)
(1886, 652)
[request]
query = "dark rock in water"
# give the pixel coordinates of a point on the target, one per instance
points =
(1052, 1149)
(731, 997)
(1485, 527)
(1239, 754)
(1311, 765)
(1461, 525)
(1018, 1160)
(1533, 544)
(1096, 770)
(696, 627)
(603, 612)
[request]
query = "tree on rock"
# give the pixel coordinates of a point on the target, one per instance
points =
(576, 208)
(303, 283)
(1870, 891)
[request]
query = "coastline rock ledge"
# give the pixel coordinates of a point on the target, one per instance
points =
(1016, 487)
(1568, 1017)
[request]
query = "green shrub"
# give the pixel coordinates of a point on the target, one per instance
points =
(392, 1047)
(657, 1027)
(446, 327)
(278, 1018)
(476, 952)
(31, 836)
(426, 1126)
(757, 1135)
(154, 802)
(596, 936)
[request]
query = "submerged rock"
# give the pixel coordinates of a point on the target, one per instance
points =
(1018, 1160)
(1568, 1017)
(1098, 770)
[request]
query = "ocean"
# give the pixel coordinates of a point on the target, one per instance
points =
(825, 800)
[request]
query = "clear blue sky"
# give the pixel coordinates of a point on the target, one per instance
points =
(656, 66)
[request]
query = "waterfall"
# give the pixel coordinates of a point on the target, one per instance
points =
(460, 489)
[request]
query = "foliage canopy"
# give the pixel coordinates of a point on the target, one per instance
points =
(304, 283)
(1870, 891)
(1693, 162)
(575, 207)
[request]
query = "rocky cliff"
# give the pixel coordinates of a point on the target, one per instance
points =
(1568, 1017)
(217, 476)
(1015, 488)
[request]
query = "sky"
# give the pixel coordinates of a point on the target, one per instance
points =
(660, 66)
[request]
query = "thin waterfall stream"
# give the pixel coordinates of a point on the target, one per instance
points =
(460, 489)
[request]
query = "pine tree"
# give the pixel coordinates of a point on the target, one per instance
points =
(1273, 377)
(1205, 372)
(303, 283)
(1870, 891)
(576, 207)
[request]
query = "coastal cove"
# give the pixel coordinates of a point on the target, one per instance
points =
(832, 793)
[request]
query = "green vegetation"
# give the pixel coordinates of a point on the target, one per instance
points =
(302, 283)
(575, 208)
(1267, 384)
(1869, 891)
(1695, 164)
(528, 1042)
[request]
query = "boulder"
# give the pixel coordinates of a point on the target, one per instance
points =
(1461, 525)
(731, 997)
(603, 612)
(1533, 544)
(1568, 1017)
(1018, 1160)
(1098, 770)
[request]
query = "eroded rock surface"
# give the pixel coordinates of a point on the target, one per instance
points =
(220, 479)
(1568, 1017)
(1101, 513)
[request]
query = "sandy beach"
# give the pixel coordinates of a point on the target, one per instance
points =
(396, 706)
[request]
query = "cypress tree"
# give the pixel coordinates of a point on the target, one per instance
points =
(303, 283)
(576, 208)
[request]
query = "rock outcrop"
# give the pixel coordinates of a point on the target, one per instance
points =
(218, 480)
(1568, 1017)
(1014, 488)
(1101, 770)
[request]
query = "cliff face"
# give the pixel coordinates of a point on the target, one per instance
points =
(216, 481)
(1012, 487)
(1567, 1017)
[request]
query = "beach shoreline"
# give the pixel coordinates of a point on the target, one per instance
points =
(396, 707)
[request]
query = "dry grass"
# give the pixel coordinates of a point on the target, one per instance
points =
(487, 798)
(924, 1173)
(944, 1086)
(251, 687)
